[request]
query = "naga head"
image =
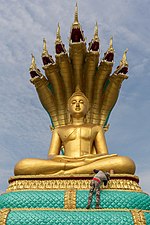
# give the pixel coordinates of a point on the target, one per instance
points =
(95, 42)
(109, 54)
(34, 71)
(76, 34)
(122, 69)
(46, 58)
(59, 46)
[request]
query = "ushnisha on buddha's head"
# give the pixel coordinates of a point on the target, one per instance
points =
(78, 104)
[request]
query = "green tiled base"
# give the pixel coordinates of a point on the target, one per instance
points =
(48, 208)
(55, 199)
(69, 218)
(147, 217)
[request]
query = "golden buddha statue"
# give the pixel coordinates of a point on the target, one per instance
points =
(84, 147)
(80, 131)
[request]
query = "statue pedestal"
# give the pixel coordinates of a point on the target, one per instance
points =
(47, 199)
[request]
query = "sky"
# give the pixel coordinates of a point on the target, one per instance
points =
(24, 124)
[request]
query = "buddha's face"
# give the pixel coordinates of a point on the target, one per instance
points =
(78, 106)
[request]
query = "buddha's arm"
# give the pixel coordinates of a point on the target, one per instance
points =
(100, 142)
(55, 144)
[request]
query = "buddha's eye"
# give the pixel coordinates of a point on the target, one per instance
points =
(81, 101)
(74, 102)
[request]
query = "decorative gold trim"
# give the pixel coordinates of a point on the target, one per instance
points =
(49, 176)
(79, 209)
(3, 215)
(44, 182)
(70, 199)
(138, 217)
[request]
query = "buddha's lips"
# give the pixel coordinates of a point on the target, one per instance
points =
(77, 108)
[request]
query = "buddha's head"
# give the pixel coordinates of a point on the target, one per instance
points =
(78, 104)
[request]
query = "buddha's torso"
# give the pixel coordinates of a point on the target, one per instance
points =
(78, 140)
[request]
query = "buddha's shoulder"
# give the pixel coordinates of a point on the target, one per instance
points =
(84, 126)
(64, 128)
(94, 126)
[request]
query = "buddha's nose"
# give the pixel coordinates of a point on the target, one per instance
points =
(77, 104)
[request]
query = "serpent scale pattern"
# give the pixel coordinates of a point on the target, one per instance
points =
(147, 216)
(116, 199)
(32, 199)
(69, 218)
(55, 199)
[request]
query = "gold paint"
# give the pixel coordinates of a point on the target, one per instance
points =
(58, 41)
(96, 37)
(111, 49)
(102, 74)
(76, 14)
(54, 78)
(65, 68)
(46, 97)
(3, 216)
(78, 140)
(76, 24)
(77, 53)
(104, 70)
(123, 63)
(33, 67)
(124, 58)
(110, 96)
(58, 37)
(45, 52)
(138, 217)
(91, 64)
(70, 199)
(44, 93)
(123, 182)
(79, 129)
(76, 210)
(112, 91)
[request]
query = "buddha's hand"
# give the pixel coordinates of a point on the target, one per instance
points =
(51, 156)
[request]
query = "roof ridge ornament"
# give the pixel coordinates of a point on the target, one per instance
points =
(59, 46)
(96, 37)
(34, 71)
(95, 42)
(46, 57)
(111, 44)
(124, 58)
(45, 51)
(33, 65)
(76, 21)
(58, 36)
